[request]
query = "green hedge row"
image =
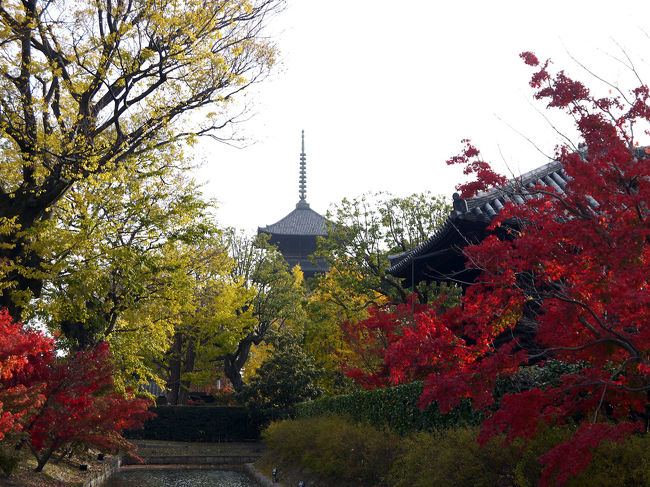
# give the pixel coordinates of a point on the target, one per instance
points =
(199, 423)
(339, 452)
(396, 407)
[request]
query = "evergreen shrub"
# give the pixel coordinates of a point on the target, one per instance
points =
(199, 423)
(8, 462)
(626, 465)
(335, 449)
(395, 407)
(451, 458)
(9, 456)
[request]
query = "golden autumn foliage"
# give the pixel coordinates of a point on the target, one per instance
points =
(86, 85)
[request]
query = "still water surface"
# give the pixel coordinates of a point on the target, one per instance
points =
(179, 478)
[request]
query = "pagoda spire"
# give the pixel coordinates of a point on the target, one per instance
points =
(302, 186)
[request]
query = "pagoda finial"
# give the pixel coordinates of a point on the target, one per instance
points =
(303, 173)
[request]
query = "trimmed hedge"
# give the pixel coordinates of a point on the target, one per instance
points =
(396, 407)
(339, 452)
(333, 449)
(198, 423)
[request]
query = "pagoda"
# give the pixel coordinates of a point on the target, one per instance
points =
(295, 235)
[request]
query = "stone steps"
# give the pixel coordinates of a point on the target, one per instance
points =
(199, 459)
(217, 454)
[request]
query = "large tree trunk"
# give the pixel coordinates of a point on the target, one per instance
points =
(175, 362)
(19, 280)
(79, 335)
(234, 362)
(187, 366)
(15, 246)
(42, 458)
(181, 361)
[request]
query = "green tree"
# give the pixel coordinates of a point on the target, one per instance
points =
(277, 297)
(87, 85)
(363, 233)
(287, 376)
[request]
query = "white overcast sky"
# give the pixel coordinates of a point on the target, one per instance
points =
(385, 91)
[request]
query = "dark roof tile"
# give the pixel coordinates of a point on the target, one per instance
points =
(301, 221)
(484, 207)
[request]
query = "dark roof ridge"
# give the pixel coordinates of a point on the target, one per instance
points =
(517, 183)
(483, 207)
(301, 221)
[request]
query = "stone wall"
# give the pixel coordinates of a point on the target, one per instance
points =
(97, 479)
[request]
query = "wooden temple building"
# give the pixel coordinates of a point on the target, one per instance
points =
(440, 258)
(295, 235)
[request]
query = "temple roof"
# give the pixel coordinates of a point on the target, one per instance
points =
(301, 221)
(476, 213)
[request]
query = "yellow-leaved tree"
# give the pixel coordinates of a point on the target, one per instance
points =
(85, 85)
(215, 319)
(118, 251)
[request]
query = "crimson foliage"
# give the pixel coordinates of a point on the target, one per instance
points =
(81, 407)
(579, 260)
(61, 401)
(20, 350)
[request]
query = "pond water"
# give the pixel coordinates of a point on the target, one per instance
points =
(179, 478)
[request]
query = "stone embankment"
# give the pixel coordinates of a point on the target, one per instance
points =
(97, 479)
(259, 477)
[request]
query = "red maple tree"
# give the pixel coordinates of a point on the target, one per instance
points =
(579, 261)
(371, 339)
(60, 401)
(20, 349)
(81, 407)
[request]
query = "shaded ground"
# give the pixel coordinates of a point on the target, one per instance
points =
(66, 473)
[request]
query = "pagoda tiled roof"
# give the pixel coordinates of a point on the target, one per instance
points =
(479, 211)
(301, 221)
